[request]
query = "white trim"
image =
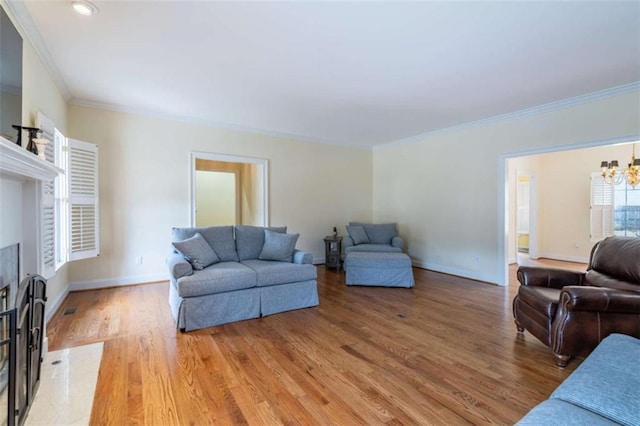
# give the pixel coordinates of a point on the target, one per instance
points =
(194, 155)
(464, 273)
(527, 112)
(117, 282)
(53, 305)
(19, 163)
(577, 259)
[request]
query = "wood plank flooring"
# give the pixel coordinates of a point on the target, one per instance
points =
(444, 352)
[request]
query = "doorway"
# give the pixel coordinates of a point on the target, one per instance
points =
(228, 190)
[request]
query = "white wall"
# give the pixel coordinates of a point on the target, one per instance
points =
(144, 188)
(215, 198)
(563, 182)
(447, 191)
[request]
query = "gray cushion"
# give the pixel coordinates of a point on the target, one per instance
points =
(197, 251)
(376, 248)
(178, 265)
(608, 380)
(220, 238)
(278, 246)
(358, 234)
(250, 239)
(557, 412)
(272, 272)
(380, 233)
(218, 278)
(377, 260)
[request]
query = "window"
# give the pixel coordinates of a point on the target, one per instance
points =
(84, 241)
(69, 204)
(615, 209)
(61, 198)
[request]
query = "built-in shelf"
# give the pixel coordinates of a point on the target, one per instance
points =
(18, 163)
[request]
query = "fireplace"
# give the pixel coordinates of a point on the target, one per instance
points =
(22, 308)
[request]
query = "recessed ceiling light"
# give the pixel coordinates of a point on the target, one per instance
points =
(83, 7)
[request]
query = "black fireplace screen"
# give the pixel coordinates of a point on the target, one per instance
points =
(22, 309)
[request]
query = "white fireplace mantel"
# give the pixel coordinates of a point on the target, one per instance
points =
(17, 162)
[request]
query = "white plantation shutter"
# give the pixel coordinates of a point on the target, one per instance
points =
(84, 241)
(601, 208)
(47, 243)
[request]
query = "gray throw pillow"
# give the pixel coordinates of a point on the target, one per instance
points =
(220, 238)
(358, 234)
(197, 251)
(250, 240)
(278, 246)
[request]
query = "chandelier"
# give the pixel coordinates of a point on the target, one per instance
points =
(612, 175)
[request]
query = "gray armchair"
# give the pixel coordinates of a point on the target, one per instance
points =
(371, 237)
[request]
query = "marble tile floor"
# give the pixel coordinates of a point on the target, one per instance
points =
(67, 386)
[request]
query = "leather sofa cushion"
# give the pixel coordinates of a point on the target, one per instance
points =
(617, 257)
(598, 279)
(543, 299)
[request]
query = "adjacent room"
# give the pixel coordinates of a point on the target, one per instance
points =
(306, 212)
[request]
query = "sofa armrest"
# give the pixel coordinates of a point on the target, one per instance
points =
(178, 266)
(347, 241)
(397, 242)
(600, 299)
(549, 277)
(302, 257)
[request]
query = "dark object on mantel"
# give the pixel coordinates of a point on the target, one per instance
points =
(19, 129)
(33, 134)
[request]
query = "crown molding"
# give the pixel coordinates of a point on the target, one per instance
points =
(527, 112)
(23, 19)
(211, 123)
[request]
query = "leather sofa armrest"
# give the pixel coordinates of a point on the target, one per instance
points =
(549, 277)
(178, 266)
(397, 242)
(302, 257)
(600, 299)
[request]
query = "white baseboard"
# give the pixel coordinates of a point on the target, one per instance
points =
(512, 260)
(117, 282)
(578, 259)
(464, 273)
(54, 305)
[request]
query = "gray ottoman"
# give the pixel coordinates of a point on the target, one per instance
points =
(379, 269)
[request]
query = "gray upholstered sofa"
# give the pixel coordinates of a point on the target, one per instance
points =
(372, 237)
(604, 389)
(222, 274)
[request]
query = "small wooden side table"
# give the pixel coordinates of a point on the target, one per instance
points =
(333, 252)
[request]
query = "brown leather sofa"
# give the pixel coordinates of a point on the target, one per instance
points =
(571, 312)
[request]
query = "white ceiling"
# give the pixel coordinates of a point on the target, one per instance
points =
(357, 73)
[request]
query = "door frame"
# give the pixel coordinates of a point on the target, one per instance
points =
(194, 155)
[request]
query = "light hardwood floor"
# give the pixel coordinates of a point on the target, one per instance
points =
(444, 352)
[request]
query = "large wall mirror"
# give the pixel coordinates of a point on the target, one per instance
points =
(10, 78)
(228, 190)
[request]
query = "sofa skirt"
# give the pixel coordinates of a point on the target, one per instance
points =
(287, 297)
(192, 313)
